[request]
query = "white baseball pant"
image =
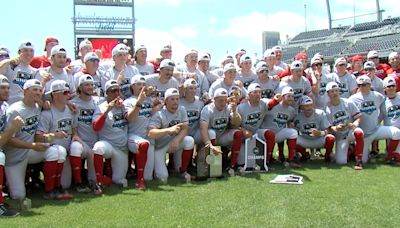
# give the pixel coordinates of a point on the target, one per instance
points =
(160, 169)
(285, 133)
(316, 143)
(133, 144)
(118, 158)
(16, 174)
(199, 140)
(2, 158)
(342, 146)
(383, 132)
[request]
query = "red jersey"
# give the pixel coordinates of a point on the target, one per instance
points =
(38, 60)
(391, 71)
(381, 70)
(397, 79)
(156, 67)
(287, 72)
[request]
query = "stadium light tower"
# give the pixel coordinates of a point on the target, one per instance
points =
(305, 17)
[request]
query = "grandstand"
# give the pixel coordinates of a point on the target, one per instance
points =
(383, 36)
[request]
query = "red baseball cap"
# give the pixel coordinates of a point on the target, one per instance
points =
(50, 39)
(357, 58)
(301, 55)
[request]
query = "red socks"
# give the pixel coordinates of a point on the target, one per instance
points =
(108, 168)
(98, 167)
(359, 147)
(50, 172)
(76, 166)
(1, 184)
(141, 159)
(270, 140)
(291, 148)
(186, 157)
(58, 174)
(237, 143)
(329, 141)
(302, 151)
(392, 147)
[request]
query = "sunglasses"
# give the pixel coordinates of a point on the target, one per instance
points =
(6, 56)
(369, 69)
(94, 60)
(65, 92)
(116, 90)
(391, 86)
(263, 71)
(374, 58)
(236, 94)
(342, 65)
(167, 52)
(362, 85)
(319, 64)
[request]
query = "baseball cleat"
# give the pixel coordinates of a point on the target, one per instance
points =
(231, 171)
(374, 154)
(49, 195)
(185, 176)
(62, 194)
(124, 183)
(293, 164)
(241, 171)
(307, 158)
(81, 188)
(358, 166)
(6, 211)
(98, 189)
(270, 168)
(163, 180)
(140, 185)
(392, 162)
(328, 160)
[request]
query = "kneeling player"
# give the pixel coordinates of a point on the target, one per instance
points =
(314, 127)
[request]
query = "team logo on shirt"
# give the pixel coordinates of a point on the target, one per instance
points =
(220, 124)
(393, 112)
(145, 110)
(173, 123)
(253, 118)
(21, 77)
(144, 73)
(342, 88)
(298, 93)
(340, 117)
(307, 128)
(30, 125)
(267, 93)
(193, 116)
(281, 119)
(118, 121)
(246, 84)
(85, 116)
(322, 89)
(368, 107)
(125, 86)
(65, 126)
(2, 121)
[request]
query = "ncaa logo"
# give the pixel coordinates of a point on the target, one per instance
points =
(256, 151)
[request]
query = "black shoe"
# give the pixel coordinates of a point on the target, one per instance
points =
(281, 160)
(98, 189)
(328, 160)
(374, 154)
(359, 166)
(6, 211)
(318, 153)
(81, 188)
(305, 158)
(270, 168)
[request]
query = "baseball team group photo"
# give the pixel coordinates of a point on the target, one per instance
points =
(142, 132)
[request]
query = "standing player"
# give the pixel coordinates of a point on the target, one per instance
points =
(163, 80)
(314, 128)
(108, 120)
(370, 102)
(138, 110)
(43, 60)
(270, 59)
(227, 82)
(356, 66)
(346, 81)
(245, 74)
(278, 62)
(217, 116)
(4, 53)
(394, 61)
(238, 54)
(60, 121)
(381, 68)
(345, 118)
(321, 80)
(121, 72)
(5, 210)
(225, 60)
(376, 83)
(253, 112)
(204, 65)
(145, 68)
(169, 128)
(18, 70)
(85, 46)
(267, 84)
(279, 120)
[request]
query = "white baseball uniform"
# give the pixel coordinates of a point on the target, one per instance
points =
(202, 82)
(129, 72)
(346, 83)
(268, 88)
(300, 88)
(391, 113)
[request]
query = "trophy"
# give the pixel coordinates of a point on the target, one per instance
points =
(209, 164)
(255, 155)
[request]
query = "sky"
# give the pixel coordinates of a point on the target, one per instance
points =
(213, 26)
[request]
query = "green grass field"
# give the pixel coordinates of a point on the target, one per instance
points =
(334, 196)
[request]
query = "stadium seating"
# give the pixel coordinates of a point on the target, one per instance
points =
(373, 25)
(316, 34)
(288, 54)
(328, 50)
(377, 43)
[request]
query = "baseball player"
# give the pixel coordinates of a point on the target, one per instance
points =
(145, 68)
(190, 71)
(238, 54)
(245, 74)
(394, 61)
(216, 117)
(44, 60)
(314, 127)
(267, 83)
(345, 118)
(5, 209)
(169, 129)
(138, 109)
(18, 70)
(321, 80)
(85, 46)
(303, 58)
(270, 59)
(204, 65)
(56, 71)
(108, 120)
(227, 82)
(60, 122)
(278, 53)
(300, 84)
(346, 81)
(86, 103)
(22, 150)
(121, 72)
(92, 68)
(253, 112)
(356, 66)
(278, 120)
(321, 57)
(370, 102)
(376, 83)
(164, 80)
(390, 114)
(4, 53)
(381, 68)
(166, 52)
(225, 60)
